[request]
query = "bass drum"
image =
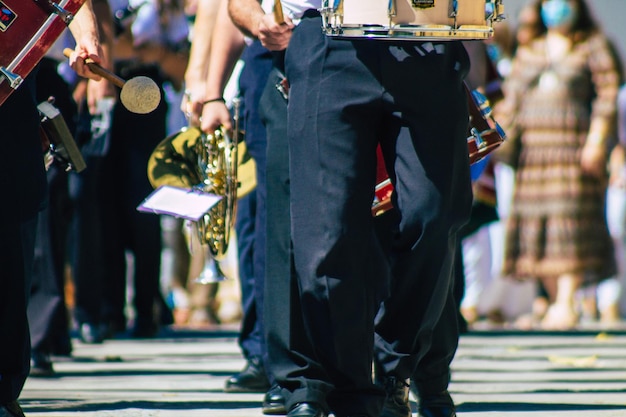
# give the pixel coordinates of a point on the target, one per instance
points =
(174, 162)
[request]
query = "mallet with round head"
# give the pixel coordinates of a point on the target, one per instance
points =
(139, 94)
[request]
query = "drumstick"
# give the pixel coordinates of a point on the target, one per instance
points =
(97, 69)
(278, 12)
(139, 94)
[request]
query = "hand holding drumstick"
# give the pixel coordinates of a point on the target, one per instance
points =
(275, 29)
(139, 94)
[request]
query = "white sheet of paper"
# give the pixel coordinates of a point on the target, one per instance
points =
(179, 202)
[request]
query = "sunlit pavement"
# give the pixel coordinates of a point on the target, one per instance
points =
(182, 373)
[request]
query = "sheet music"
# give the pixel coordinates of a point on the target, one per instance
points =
(179, 202)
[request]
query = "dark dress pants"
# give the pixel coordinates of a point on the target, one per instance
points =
(16, 258)
(23, 185)
(47, 312)
(257, 64)
(108, 224)
(283, 321)
(133, 138)
(87, 256)
(345, 98)
(249, 333)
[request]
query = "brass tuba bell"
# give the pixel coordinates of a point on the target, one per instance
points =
(192, 159)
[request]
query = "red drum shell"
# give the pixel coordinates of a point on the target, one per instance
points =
(27, 31)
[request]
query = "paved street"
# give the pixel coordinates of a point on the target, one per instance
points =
(495, 373)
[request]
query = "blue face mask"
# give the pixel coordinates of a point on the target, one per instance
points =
(557, 13)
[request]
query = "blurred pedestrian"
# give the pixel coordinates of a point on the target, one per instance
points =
(153, 43)
(227, 45)
(611, 296)
(560, 104)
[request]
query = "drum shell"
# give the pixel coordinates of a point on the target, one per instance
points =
(27, 31)
(374, 12)
(401, 19)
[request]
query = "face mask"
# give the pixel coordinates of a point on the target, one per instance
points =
(557, 13)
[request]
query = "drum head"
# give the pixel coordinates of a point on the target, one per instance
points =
(174, 162)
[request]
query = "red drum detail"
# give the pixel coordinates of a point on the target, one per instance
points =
(27, 30)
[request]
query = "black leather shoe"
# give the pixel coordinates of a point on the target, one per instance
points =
(307, 410)
(397, 398)
(274, 402)
(41, 365)
(251, 379)
(439, 405)
(11, 409)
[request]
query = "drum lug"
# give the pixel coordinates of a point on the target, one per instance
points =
(495, 10)
(52, 7)
(478, 138)
(332, 16)
(500, 11)
(14, 79)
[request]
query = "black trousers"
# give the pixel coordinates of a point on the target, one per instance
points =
(108, 224)
(284, 331)
(47, 312)
(23, 184)
(16, 257)
(252, 210)
(346, 97)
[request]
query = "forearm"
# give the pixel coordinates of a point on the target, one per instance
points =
(103, 15)
(246, 15)
(600, 131)
(198, 65)
(84, 26)
(226, 47)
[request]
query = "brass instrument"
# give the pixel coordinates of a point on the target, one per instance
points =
(193, 159)
(217, 163)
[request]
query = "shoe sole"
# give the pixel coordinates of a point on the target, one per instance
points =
(274, 409)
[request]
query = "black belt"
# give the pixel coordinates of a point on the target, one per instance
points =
(310, 13)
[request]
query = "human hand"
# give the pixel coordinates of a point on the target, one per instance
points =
(214, 115)
(273, 35)
(192, 103)
(79, 56)
(593, 159)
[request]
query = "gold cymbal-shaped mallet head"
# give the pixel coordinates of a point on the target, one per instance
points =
(139, 94)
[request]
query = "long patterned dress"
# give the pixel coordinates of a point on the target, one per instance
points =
(557, 222)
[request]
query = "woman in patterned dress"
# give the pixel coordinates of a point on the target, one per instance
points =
(560, 104)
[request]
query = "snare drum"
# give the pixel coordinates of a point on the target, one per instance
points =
(411, 19)
(27, 30)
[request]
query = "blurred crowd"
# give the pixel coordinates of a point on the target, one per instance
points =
(544, 248)
(553, 258)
